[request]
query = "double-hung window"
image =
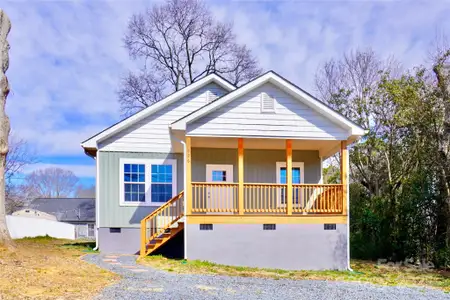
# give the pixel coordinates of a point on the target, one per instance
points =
(147, 182)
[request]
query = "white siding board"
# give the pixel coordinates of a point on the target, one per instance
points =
(152, 134)
(243, 117)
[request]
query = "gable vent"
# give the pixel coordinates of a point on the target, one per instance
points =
(210, 97)
(267, 103)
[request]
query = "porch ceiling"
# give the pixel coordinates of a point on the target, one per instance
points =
(326, 148)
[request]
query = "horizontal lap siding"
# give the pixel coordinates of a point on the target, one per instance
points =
(259, 165)
(152, 133)
(243, 116)
(111, 213)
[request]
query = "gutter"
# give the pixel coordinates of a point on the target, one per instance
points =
(349, 268)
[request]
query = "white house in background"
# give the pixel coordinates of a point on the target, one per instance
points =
(237, 170)
(76, 211)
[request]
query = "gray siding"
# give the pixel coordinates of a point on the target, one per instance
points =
(243, 116)
(152, 134)
(111, 213)
(259, 165)
(289, 247)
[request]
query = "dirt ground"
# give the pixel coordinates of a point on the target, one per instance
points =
(45, 268)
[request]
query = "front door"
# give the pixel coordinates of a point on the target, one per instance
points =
(220, 198)
(297, 178)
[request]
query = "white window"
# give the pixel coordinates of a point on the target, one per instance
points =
(147, 182)
(267, 103)
(297, 178)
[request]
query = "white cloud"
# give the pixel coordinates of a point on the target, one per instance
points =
(67, 57)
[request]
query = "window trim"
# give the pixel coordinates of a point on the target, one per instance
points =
(148, 166)
(282, 164)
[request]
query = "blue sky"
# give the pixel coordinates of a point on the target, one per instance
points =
(67, 57)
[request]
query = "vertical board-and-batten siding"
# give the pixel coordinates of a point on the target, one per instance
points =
(243, 117)
(152, 134)
(111, 213)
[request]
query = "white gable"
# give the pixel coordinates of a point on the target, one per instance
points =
(252, 115)
(217, 86)
(152, 134)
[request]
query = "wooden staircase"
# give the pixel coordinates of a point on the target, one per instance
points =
(161, 225)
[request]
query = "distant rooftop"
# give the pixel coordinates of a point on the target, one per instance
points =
(67, 209)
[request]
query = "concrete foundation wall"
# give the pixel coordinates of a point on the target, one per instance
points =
(289, 247)
(127, 241)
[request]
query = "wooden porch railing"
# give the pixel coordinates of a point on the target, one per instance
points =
(266, 198)
(317, 198)
(218, 197)
(161, 219)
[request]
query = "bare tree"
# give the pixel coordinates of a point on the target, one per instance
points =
(349, 86)
(180, 42)
(5, 27)
(85, 192)
(52, 183)
(19, 156)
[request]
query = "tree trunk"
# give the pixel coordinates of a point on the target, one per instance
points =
(5, 27)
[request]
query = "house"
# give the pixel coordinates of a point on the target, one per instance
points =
(236, 171)
(77, 211)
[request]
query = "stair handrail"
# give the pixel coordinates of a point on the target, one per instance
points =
(163, 208)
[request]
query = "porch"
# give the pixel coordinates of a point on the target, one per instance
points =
(292, 191)
(288, 189)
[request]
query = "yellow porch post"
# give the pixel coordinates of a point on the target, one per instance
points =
(241, 175)
(188, 188)
(344, 175)
(289, 177)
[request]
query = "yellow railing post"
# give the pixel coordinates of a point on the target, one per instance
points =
(344, 175)
(188, 190)
(289, 177)
(241, 175)
(143, 251)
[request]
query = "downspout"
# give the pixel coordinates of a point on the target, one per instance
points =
(184, 188)
(348, 214)
(97, 199)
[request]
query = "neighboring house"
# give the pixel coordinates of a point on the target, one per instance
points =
(251, 161)
(33, 213)
(76, 211)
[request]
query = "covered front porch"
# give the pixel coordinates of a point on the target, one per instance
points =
(231, 177)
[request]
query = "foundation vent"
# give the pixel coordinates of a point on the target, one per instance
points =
(206, 226)
(114, 230)
(269, 226)
(329, 226)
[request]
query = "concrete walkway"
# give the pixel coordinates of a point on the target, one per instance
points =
(141, 282)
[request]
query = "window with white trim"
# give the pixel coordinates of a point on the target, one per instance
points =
(267, 103)
(147, 182)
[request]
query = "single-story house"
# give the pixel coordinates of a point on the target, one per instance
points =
(235, 171)
(76, 211)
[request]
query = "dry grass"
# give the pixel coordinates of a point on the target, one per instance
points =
(364, 271)
(45, 268)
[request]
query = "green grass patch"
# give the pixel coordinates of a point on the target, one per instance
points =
(363, 271)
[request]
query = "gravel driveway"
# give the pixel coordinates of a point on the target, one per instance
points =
(140, 282)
